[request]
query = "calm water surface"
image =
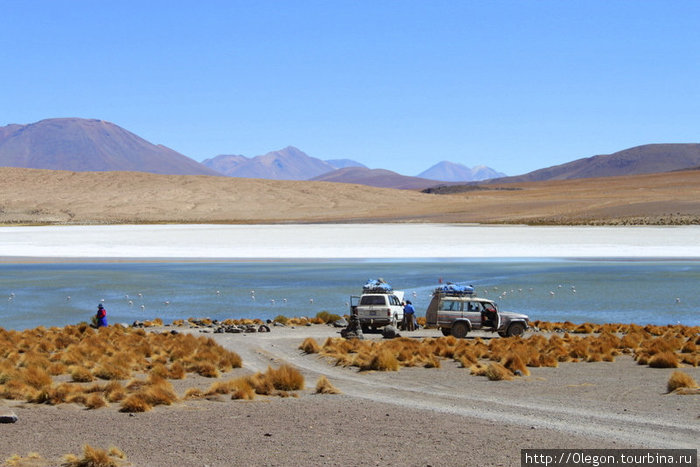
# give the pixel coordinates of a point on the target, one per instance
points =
(604, 290)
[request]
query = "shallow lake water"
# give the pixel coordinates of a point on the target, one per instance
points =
(594, 289)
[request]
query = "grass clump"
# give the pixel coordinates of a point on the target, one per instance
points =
(310, 346)
(679, 380)
(323, 386)
(93, 457)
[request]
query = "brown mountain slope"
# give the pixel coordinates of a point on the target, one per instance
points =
(649, 158)
(89, 145)
(45, 196)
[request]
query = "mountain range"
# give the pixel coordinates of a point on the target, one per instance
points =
(289, 163)
(81, 145)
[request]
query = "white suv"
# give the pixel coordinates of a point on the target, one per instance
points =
(378, 309)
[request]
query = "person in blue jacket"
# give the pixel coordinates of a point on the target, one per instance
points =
(101, 316)
(409, 315)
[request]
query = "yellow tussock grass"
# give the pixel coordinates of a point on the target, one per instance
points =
(95, 401)
(323, 386)
(310, 346)
(33, 459)
(193, 393)
(241, 389)
(286, 378)
(664, 360)
(497, 372)
(81, 375)
(680, 379)
(135, 403)
(514, 363)
(93, 457)
(383, 360)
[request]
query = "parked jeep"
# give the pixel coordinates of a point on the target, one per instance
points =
(457, 315)
(379, 305)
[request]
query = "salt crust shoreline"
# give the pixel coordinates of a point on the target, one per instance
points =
(342, 241)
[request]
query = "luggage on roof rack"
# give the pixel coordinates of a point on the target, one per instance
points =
(454, 290)
(376, 286)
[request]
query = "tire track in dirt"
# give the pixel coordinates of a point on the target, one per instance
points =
(649, 430)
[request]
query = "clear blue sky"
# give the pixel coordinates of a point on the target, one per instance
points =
(402, 85)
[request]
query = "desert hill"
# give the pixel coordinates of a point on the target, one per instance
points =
(453, 172)
(649, 158)
(89, 145)
(380, 178)
(61, 197)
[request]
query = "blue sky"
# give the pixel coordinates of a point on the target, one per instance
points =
(402, 85)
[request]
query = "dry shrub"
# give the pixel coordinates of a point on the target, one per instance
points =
(478, 369)
(114, 391)
(514, 363)
(323, 386)
(310, 346)
(497, 372)
(689, 347)
(261, 384)
(219, 387)
(241, 389)
(135, 403)
(96, 458)
(383, 360)
(36, 377)
(585, 328)
(95, 401)
(680, 379)
(193, 393)
(32, 459)
(664, 360)
(205, 369)
(81, 375)
(286, 378)
(177, 371)
(159, 394)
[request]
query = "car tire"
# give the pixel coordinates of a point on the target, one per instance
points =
(446, 331)
(516, 329)
(502, 333)
(459, 330)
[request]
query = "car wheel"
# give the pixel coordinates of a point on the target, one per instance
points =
(459, 330)
(502, 333)
(516, 329)
(446, 331)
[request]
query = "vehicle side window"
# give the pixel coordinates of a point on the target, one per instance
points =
(372, 300)
(474, 306)
(449, 305)
(395, 300)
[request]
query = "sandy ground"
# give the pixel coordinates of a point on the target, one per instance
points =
(415, 416)
(59, 197)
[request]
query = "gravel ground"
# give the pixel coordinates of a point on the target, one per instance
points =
(415, 416)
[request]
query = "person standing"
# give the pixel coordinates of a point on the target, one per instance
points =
(101, 316)
(409, 314)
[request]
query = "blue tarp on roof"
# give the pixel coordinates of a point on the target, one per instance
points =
(376, 286)
(454, 289)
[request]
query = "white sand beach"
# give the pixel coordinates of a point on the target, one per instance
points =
(347, 241)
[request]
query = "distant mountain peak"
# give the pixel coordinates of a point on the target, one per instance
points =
(85, 145)
(453, 172)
